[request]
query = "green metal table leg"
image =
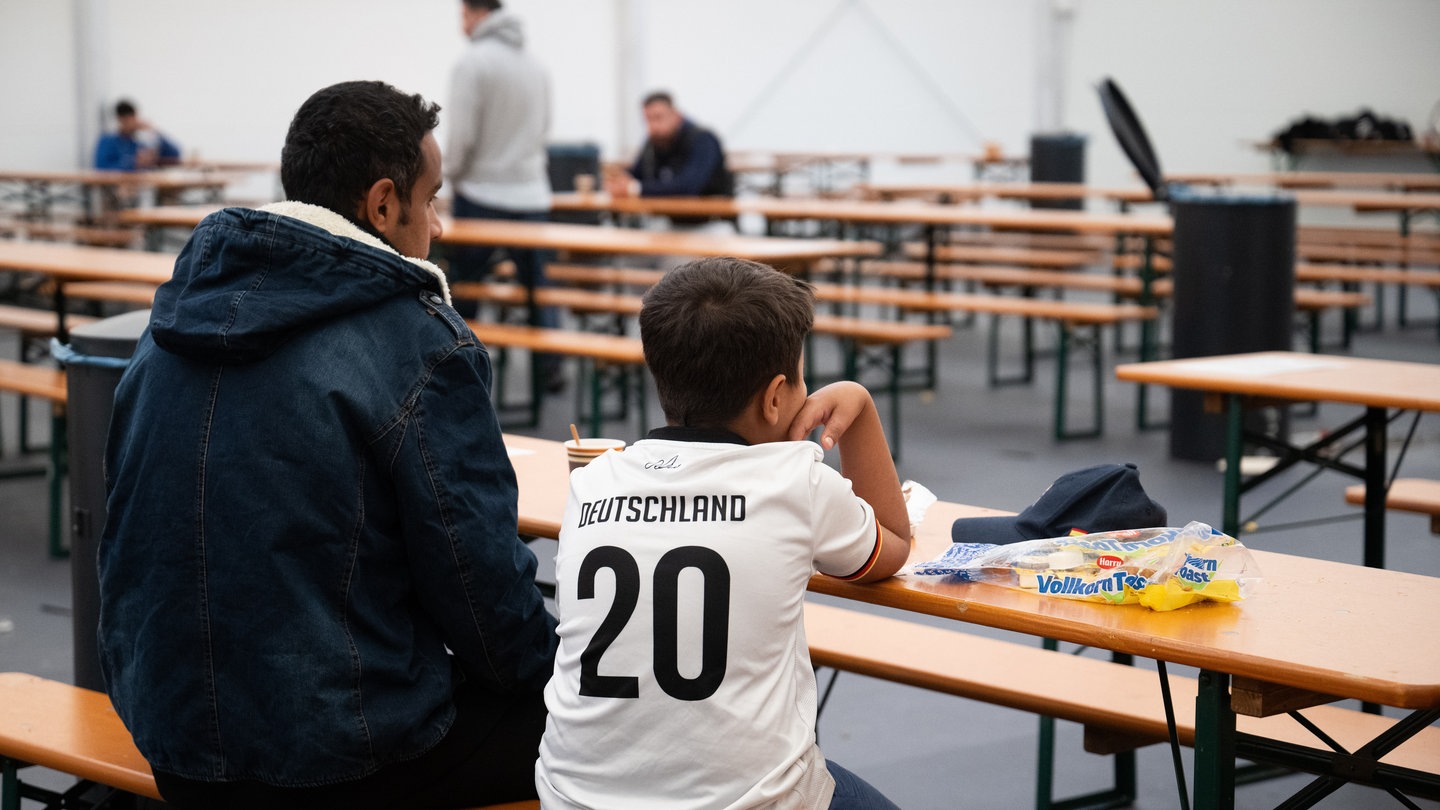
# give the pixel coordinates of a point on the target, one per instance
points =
(10, 786)
(1214, 743)
(58, 469)
(1147, 332)
(596, 391)
(1234, 447)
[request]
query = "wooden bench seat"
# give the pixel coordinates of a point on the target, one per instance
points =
(858, 334)
(1007, 254)
(36, 322)
(68, 729)
(1119, 706)
(31, 380)
(1418, 495)
(1359, 274)
(1309, 300)
(600, 351)
(599, 276)
(43, 382)
(93, 235)
(1322, 252)
(124, 292)
(1371, 237)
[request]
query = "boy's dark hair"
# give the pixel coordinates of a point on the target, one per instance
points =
(658, 96)
(347, 137)
(124, 108)
(488, 5)
(716, 331)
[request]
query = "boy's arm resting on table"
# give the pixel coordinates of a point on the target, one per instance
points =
(851, 422)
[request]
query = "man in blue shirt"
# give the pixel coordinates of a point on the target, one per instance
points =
(134, 144)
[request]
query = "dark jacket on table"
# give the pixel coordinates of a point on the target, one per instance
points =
(310, 500)
(692, 164)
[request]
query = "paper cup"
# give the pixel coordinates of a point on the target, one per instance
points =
(587, 450)
(585, 183)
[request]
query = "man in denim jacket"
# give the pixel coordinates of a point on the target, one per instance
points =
(312, 591)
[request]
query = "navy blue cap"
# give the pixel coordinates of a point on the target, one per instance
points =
(1103, 498)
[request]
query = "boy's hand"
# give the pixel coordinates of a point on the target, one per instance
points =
(835, 406)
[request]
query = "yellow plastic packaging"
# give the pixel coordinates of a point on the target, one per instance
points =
(1160, 568)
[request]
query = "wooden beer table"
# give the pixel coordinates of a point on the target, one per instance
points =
(791, 254)
(1244, 381)
(1309, 632)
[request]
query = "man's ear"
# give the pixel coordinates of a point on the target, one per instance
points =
(770, 400)
(381, 206)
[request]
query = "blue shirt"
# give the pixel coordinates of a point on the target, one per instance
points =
(117, 151)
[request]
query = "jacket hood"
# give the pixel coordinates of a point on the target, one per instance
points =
(501, 25)
(250, 279)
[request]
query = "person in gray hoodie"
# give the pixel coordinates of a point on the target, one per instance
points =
(499, 119)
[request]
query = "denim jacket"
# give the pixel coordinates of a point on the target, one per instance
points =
(309, 502)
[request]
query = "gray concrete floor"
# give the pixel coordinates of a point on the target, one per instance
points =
(969, 443)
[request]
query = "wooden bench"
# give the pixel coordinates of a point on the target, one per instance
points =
(1418, 495)
(97, 236)
(36, 322)
(1068, 316)
(1007, 254)
(31, 380)
(1308, 300)
(125, 292)
(858, 335)
(1119, 706)
(76, 731)
(1372, 237)
(68, 729)
(599, 351)
(1308, 251)
(1352, 275)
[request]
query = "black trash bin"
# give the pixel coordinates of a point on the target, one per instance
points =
(1234, 279)
(564, 162)
(94, 360)
(1234, 274)
(1057, 158)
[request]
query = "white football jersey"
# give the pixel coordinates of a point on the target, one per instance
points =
(683, 677)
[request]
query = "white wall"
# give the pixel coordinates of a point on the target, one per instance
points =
(37, 85)
(885, 75)
(1208, 79)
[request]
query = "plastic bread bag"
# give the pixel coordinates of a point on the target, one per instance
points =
(1160, 568)
(918, 501)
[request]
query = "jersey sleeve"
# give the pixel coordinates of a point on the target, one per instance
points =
(847, 536)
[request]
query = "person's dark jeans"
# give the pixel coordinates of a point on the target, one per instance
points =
(473, 263)
(488, 757)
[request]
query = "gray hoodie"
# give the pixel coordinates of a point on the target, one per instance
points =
(499, 119)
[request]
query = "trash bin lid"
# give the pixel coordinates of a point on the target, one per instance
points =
(111, 337)
(1131, 134)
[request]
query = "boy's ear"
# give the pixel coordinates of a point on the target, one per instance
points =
(381, 206)
(770, 400)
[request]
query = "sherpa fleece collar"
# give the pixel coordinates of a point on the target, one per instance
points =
(331, 222)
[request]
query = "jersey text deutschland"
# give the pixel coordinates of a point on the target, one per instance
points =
(664, 509)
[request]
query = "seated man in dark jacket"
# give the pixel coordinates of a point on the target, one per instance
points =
(680, 159)
(312, 591)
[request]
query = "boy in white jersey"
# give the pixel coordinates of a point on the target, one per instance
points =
(683, 678)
